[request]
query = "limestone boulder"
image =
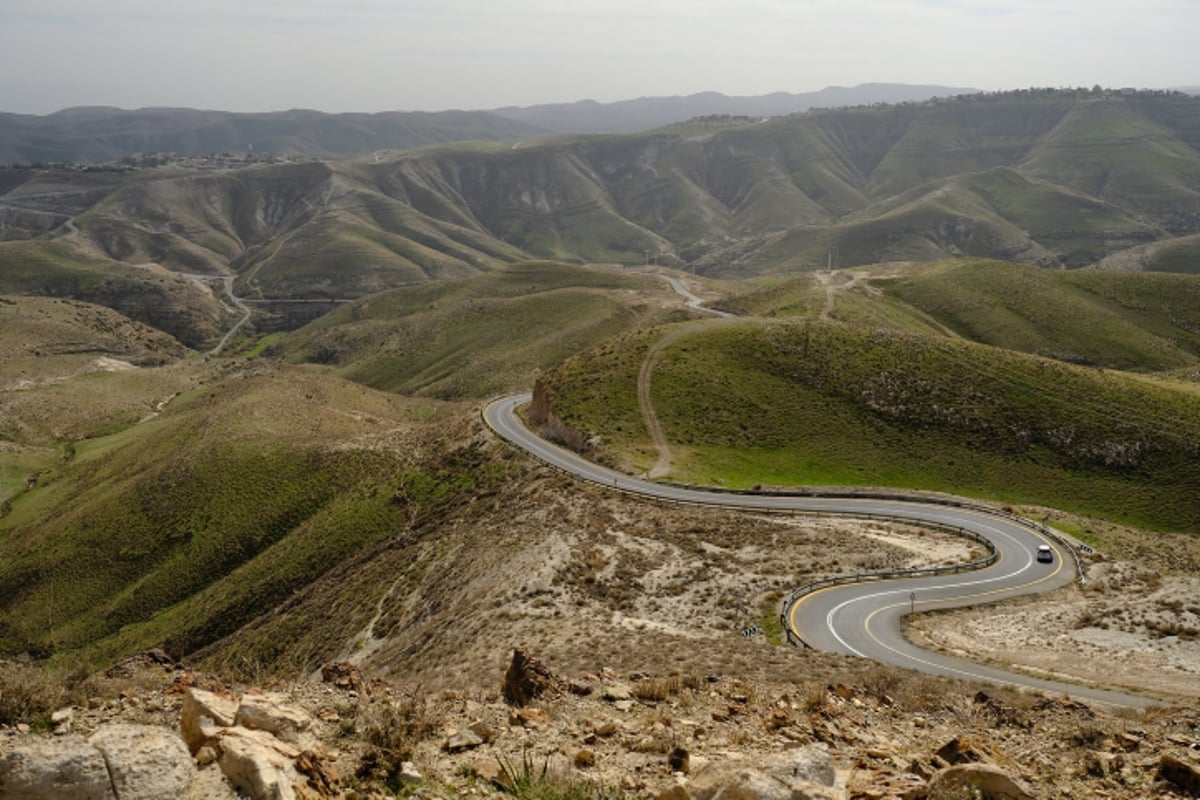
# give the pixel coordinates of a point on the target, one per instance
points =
(145, 762)
(259, 765)
(274, 713)
(51, 769)
(986, 781)
(802, 774)
(203, 716)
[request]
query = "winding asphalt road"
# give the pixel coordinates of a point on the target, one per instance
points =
(865, 618)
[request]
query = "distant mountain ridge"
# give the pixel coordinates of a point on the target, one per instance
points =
(95, 134)
(99, 134)
(646, 113)
(1057, 178)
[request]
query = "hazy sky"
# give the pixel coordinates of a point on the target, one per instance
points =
(374, 55)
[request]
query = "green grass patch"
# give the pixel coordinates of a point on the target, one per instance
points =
(19, 465)
(801, 404)
(1134, 321)
(260, 345)
(769, 621)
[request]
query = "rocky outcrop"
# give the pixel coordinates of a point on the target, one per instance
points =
(262, 745)
(527, 679)
(204, 714)
(551, 425)
(343, 675)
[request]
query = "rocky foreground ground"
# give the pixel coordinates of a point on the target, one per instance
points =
(172, 733)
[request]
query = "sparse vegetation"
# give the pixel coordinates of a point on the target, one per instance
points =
(392, 727)
(528, 780)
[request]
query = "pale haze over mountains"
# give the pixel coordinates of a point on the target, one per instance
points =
(381, 55)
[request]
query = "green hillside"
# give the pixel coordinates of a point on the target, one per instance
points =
(1138, 321)
(1121, 320)
(478, 336)
(1111, 149)
(183, 528)
(1049, 177)
(150, 295)
(820, 403)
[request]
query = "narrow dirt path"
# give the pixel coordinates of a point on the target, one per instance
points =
(834, 281)
(662, 465)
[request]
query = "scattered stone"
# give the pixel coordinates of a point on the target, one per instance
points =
(410, 776)
(960, 750)
(486, 769)
(650, 744)
(922, 770)
(1074, 707)
(189, 680)
(528, 718)
(154, 657)
(343, 675)
(206, 755)
(579, 688)
(605, 728)
(1128, 741)
(777, 719)
(1100, 765)
(466, 739)
(624, 705)
(675, 793)
(323, 777)
(870, 784)
(585, 758)
(526, 679)
(617, 691)
(484, 732)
